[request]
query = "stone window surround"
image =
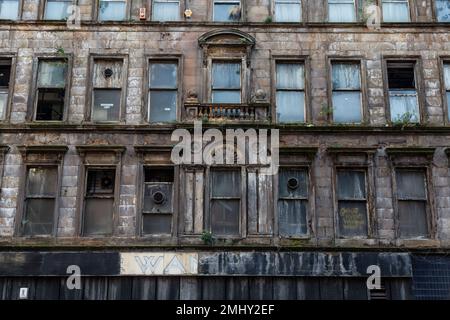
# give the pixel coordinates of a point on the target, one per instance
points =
(398, 160)
(13, 58)
(91, 159)
(156, 156)
(32, 101)
(51, 156)
(418, 73)
(363, 160)
(363, 75)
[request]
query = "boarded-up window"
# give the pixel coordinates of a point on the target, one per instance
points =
(290, 97)
(346, 93)
(293, 202)
(412, 203)
(9, 9)
(227, 10)
(163, 92)
(158, 201)
(341, 11)
(443, 10)
(447, 86)
(112, 10)
(166, 10)
(403, 97)
(288, 10)
(99, 202)
(40, 201)
(396, 11)
(225, 202)
(5, 75)
(107, 86)
(226, 82)
(352, 203)
(51, 90)
(57, 9)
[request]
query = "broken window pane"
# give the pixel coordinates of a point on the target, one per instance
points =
(52, 74)
(227, 11)
(57, 9)
(288, 10)
(163, 95)
(293, 202)
(166, 10)
(412, 203)
(9, 9)
(341, 11)
(225, 202)
(106, 105)
(290, 96)
(99, 202)
(112, 10)
(40, 197)
(396, 11)
(443, 10)
(346, 93)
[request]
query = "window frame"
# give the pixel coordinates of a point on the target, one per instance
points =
(43, 7)
(356, 6)
(19, 12)
(96, 11)
(35, 88)
(12, 59)
(243, 11)
(242, 232)
(429, 211)
(417, 61)
(150, 59)
(304, 14)
(181, 9)
(244, 77)
(411, 12)
(435, 13)
(443, 60)
(91, 88)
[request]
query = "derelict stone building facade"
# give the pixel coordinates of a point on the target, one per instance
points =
(87, 113)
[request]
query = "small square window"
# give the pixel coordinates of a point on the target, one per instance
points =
(166, 10)
(288, 10)
(226, 82)
(57, 9)
(341, 11)
(9, 9)
(443, 10)
(396, 11)
(227, 11)
(112, 10)
(51, 90)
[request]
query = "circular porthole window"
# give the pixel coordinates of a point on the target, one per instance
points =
(293, 183)
(108, 73)
(158, 197)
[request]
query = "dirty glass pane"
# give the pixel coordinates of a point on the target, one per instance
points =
(347, 107)
(346, 76)
(412, 219)
(443, 10)
(166, 10)
(404, 105)
(447, 75)
(100, 182)
(288, 10)
(106, 105)
(221, 96)
(163, 106)
(341, 11)
(5, 73)
(292, 218)
(52, 74)
(98, 217)
(158, 198)
(57, 9)
(351, 185)
(225, 217)
(395, 11)
(112, 10)
(226, 183)
(163, 75)
(3, 104)
(157, 224)
(226, 75)
(50, 104)
(42, 181)
(9, 9)
(448, 105)
(411, 185)
(352, 218)
(290, 76)
(293, 184)
(39, 216)
(227, 11)
(155, 174)
(291, 106)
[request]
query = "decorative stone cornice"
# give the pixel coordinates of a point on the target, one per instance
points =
(42, 149)
(100, 149)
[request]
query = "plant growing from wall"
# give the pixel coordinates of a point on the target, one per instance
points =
(268, 19)
(208, 238)
(405, 120)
